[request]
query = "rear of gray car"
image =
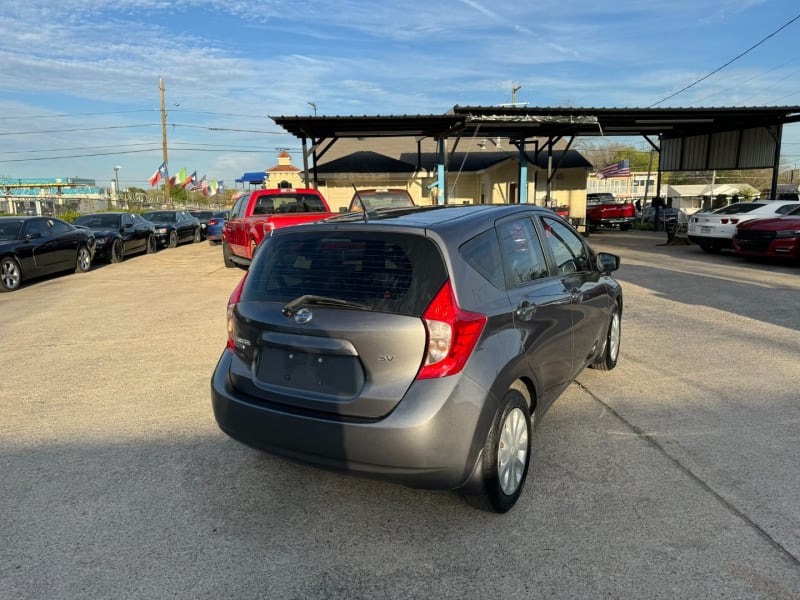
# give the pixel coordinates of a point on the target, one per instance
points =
(392, 347)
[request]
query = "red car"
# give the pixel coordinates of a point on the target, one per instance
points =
(778, 237)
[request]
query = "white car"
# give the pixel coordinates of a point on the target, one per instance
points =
(714, 231)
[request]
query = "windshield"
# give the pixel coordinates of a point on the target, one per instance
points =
(201, 214)
(161, 216)
(98, 221)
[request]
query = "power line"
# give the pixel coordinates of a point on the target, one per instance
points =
(125, 152)
(77, 129)
(115, 112)
(753, 47)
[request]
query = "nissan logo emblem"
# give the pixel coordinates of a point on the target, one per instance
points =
(303, 316)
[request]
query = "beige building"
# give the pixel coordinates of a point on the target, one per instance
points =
(480, 171)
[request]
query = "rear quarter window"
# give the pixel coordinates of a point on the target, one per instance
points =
(387, 272)
(482, 253)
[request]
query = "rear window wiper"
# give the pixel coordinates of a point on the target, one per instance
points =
(310, 299)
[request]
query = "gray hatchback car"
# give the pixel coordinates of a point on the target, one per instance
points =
(419, 345)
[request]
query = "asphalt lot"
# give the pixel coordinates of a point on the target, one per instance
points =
(674, 476)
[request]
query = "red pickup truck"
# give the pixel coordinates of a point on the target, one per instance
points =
(602, 209)
(257, 213)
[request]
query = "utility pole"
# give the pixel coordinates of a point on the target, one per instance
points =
(514, 89)
(164, 140)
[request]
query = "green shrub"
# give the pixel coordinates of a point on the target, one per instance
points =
(69, 217)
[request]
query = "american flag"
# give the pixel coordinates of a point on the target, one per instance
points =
(199, 184)
(617, 169)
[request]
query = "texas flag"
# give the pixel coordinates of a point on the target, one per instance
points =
(191, 180)
(160, 174)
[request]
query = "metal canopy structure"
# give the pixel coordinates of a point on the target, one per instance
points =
(687, 138)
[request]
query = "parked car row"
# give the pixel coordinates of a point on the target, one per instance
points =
(762, 228)
(34, 246)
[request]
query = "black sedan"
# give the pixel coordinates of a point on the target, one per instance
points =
(35, 246)
(119, 234)
(174, 227)
(204, 216)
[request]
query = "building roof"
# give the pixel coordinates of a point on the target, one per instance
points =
(718, 189)
(407, 155)
(543, 122)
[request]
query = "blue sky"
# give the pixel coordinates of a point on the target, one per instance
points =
(80, 78)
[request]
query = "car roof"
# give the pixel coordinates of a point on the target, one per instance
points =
(439, 218)
(11, 218)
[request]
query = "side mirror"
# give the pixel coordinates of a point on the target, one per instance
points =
(607, 262)
(33, 236)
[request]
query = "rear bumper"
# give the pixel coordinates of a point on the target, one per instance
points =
(707, 240)
(432, 439)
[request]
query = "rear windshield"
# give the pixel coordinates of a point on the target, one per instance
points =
(9, 230)
(601, 198)
(287, 203)
(382, 199)
(388, 272)
(738, 208)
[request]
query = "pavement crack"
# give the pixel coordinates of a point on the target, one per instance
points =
(652, 441)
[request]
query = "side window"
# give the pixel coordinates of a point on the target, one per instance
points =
(568, 250)
(58, 227)
(238, 208)
(522, 252)
(37, 227)
(127, 220)
(482, 253)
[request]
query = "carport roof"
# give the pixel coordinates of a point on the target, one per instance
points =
(524, 122)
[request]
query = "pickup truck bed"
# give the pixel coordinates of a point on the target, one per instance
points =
(257, 213)
(602, 210)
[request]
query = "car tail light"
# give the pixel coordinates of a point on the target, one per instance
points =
(724, 221)
(451, 333)
(232, 302)
(734, 221)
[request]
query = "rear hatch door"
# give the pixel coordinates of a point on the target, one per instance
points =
(330, 320)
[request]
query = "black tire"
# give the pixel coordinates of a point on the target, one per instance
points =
(709, 248)
(506, 455)
(624, 226)
(83, 260)
(173, 239)
(10, 274)
(198, 236)
(226, 255)
(117, 251)
(152, 245)
(608, 360)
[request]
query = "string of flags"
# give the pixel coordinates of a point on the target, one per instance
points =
(185, 180)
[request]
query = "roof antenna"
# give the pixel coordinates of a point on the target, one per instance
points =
(361, 202)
